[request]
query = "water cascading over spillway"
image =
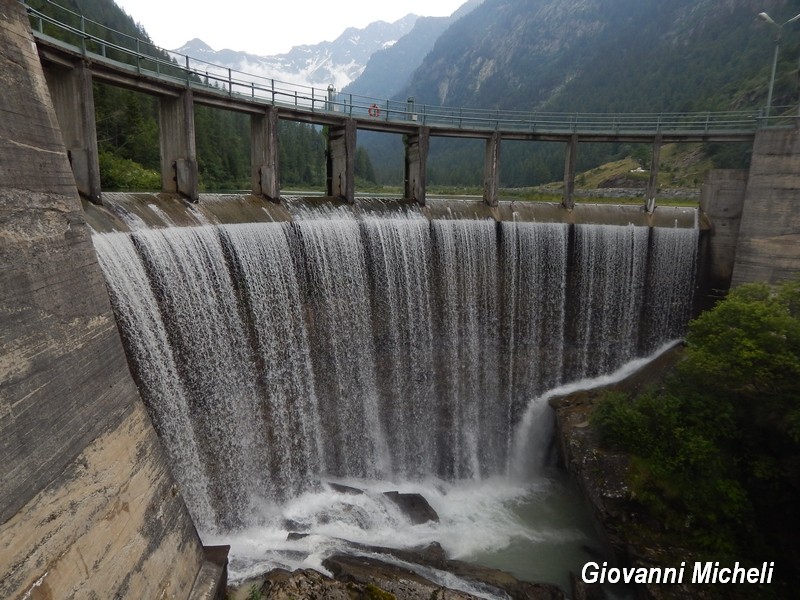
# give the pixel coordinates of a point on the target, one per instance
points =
(375, 346)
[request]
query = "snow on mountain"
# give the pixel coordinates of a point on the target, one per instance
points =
(334, 63)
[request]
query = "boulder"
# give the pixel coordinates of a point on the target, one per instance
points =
(344, 489)
(415, 507)
(495, 578)
(397, 581)
(585, 591)
(284, 585)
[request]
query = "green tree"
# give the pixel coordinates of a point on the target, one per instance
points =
(363, 166)
(715, 450)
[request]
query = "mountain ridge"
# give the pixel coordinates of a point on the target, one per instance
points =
(337, 62)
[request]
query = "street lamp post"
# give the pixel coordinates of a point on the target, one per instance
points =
(765, 17)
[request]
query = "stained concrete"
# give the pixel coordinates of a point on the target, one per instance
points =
(768, 248)
(721, 203)
(88, 506)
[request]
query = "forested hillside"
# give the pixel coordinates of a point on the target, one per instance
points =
(608, 55)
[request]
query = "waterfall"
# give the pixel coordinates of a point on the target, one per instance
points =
(467, 358)
(273, 356)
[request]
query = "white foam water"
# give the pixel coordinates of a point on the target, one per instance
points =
(543, 521)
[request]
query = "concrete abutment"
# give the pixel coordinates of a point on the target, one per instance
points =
(768, 244)
(88, 505)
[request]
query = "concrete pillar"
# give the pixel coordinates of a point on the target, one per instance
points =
(342, 160)
(491, 169)
(568, 201)
(652, 184)
(264, 154)
(178, 155)
(71, 91)
(417, 145)
(721, 204)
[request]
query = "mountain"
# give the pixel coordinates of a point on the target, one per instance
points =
(338, 62)
(388, 70)
(594, 56)
(602, 55)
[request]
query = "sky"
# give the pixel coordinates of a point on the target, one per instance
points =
(267, 27)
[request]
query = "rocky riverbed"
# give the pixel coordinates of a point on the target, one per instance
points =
(377, 573)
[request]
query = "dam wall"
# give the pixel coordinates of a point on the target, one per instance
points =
(768, 246)
(88, 505)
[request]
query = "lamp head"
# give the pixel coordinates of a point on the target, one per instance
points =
(765, 17)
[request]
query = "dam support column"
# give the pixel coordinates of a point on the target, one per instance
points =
(264, 155)
(568, 200)
(417, 145)
(721, 202)
(652, 183)
(178, 155)
(491, 169)
(71, 91)
(768, 246)
(341, 160)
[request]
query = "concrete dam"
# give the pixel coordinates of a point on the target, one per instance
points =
(371, 344)
(180, 377)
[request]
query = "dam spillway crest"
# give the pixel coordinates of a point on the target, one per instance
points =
(375, 347)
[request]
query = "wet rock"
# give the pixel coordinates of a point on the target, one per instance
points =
(345, 489)
(516, 589)
(585, 591)
(284, 585)
(415, 506)
(292, 525)
(494, 581)
(399, 581)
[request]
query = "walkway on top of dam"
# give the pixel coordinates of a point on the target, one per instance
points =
(121, 60)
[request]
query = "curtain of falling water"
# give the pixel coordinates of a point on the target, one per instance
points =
(607, 296)
(146, 338)
(207, 333)
(466, 295)
(343, 348)
(398, 254)
(272, 300)
(535, 284)
(273, 355)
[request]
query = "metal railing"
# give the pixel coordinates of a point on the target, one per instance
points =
(121, 51)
